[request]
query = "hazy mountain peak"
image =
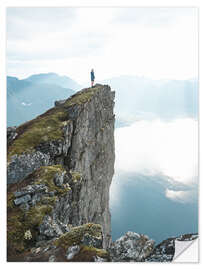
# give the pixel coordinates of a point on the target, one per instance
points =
(54, 78)
(38, 90)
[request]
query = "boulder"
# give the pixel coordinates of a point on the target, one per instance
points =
(131, 247)
(22, 200)
(72, 251)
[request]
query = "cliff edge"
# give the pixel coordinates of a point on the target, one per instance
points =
(60, 167)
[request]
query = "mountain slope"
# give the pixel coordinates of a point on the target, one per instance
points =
(53, 78)
(27, 99)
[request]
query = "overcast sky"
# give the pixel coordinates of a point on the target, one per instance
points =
(151, 42)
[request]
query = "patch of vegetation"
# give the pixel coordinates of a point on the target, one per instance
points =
(20, 221)
(15, 231)
(49, 200)
(74, 237)
(46, 174)
(76, 176)
(10, 199)
(81, 97)
(36, 214)
(87, 254)
(44, 128)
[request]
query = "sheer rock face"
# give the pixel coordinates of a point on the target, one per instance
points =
(92, 153)
(68, 152)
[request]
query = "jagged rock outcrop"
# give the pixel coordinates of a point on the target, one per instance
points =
(164, 252)
(134, 247)
(11, 134)
(60, 167)
(131, 247)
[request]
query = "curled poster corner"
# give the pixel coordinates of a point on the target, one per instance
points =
(186, 251)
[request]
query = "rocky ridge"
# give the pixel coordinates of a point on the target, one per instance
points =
(60, 167)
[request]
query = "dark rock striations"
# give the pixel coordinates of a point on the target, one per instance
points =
(60, 167)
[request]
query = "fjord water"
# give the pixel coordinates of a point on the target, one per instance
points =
(142, 207)
(155, 187)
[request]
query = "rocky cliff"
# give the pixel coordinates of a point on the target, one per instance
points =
(60, 167)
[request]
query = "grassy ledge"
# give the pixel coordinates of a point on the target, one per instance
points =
(46, 174)
(75, 236)
(48, 126)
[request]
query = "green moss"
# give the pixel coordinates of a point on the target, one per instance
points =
(76, 176)
(81, 97)
(15, 230)
(75, 236)
(49, 200)
(36, 214)
(97, 251)
(19, 222)
(87, 254)
(10, 199)
(44, 128)
(46, 176)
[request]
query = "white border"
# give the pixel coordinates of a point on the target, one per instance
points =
(77, 3)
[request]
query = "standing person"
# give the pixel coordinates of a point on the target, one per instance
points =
(92, 77)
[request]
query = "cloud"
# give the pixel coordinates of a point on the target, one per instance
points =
(154, 16)
(101, 37)
(157, 148)
(26, 104)
(179, 196)
(50, 33)
(28, 23)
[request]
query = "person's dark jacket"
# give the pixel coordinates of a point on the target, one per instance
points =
(92, 76)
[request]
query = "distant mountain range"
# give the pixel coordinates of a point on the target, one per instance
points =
(32, 96)
(143, 98)
(136, 97)
(53, 78)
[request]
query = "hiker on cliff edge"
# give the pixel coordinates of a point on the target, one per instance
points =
(92, 77)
